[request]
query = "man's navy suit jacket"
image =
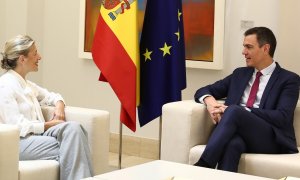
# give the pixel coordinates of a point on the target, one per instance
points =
(277, 104)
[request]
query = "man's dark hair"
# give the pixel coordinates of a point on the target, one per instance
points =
(264, 36)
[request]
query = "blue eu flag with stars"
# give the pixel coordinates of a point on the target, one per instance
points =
(162, 58)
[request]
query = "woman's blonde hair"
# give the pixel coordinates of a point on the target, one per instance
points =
(13, 49)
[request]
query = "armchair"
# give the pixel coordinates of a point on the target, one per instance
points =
(96, 122)
(186, 128)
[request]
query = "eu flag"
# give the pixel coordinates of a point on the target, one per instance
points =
(162, 58)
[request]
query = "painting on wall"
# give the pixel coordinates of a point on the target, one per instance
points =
(204, 33)
(203, 26)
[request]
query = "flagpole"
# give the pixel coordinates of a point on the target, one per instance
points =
(120, 145)
(160, 132)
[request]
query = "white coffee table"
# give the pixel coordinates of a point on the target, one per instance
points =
(165, 170)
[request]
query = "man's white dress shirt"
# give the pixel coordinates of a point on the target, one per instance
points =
(21, 101)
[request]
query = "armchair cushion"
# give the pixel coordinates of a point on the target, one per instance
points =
(38, 169)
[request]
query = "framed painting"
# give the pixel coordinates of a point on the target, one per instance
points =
(203, 26)
(204, 33)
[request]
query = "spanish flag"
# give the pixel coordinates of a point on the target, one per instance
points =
(115, 52)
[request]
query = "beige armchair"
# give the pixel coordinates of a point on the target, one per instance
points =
(186, 128)
(96, 122)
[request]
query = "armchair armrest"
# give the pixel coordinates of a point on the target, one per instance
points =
(184, 125)
(96, 123)
(9, 151)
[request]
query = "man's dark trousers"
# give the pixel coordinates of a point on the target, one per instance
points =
(239, 131)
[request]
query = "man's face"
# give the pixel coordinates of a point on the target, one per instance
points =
(254, 54)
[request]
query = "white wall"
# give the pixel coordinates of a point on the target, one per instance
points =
(3, 22)
(54, 25)
(289, 35)
(13, 18)
(16, 17)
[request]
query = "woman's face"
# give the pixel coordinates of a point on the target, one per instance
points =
(31, 61)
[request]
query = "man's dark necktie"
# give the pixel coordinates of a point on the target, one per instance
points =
(253, 90)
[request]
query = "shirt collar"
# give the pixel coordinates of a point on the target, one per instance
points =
(19, 78)
(268, 70)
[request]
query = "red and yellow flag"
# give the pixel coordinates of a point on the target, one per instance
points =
(115, 52)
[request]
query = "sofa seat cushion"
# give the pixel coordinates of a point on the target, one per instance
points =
(271, 165)
(39, 169)
(195, 153)
(267, 165)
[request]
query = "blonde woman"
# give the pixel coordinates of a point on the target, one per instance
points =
(20, 104)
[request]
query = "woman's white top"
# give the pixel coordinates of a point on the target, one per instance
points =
(21, 101)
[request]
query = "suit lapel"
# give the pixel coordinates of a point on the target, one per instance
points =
(247, 79)
(243, 85)
(269, 86)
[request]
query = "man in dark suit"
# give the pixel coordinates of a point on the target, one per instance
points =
(258, 113)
